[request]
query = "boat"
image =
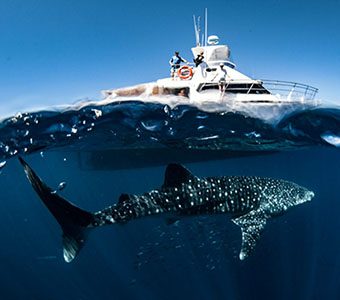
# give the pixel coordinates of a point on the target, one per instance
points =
(202, 85)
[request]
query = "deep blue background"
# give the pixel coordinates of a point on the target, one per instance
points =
(296, 258)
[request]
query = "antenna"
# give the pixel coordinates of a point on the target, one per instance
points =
(197, 30)
(206, 26)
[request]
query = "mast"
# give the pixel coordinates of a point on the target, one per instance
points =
(197, 28)
(206, 26)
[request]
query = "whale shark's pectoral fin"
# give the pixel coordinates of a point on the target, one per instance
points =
(251, 225)
(175, 175)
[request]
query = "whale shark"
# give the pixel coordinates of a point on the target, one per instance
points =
(250, 201)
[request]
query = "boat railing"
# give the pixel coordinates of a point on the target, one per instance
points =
(283, 90)
(290, 90)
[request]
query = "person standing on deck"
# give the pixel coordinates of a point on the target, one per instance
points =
(199, 59)
(222, 74)
(175, 63)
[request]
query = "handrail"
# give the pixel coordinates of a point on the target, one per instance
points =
(289, 83)
(290, 90)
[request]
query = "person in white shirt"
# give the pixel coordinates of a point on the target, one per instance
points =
(222, 74)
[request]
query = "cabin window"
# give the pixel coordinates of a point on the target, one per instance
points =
(184, 92)
(236, 88)
(258, 89)
(208, 86)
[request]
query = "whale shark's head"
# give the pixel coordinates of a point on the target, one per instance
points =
(282, 195)
(302, 195)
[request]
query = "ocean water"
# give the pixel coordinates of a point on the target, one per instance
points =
(101, 151)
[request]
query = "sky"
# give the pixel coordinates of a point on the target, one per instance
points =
(59, 52)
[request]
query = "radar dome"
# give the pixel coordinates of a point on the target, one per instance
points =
(213, 40)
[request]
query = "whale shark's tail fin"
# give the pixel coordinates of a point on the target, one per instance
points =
(74, 221)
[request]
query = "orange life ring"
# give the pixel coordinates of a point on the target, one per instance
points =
(185, 72)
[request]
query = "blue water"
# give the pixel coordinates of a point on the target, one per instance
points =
(103, 151)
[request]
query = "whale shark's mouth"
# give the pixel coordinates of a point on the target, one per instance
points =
(310, 196)
(307, 197)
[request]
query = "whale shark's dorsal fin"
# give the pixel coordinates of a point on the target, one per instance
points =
(251, 225)
(175, 175)
(123, 198)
